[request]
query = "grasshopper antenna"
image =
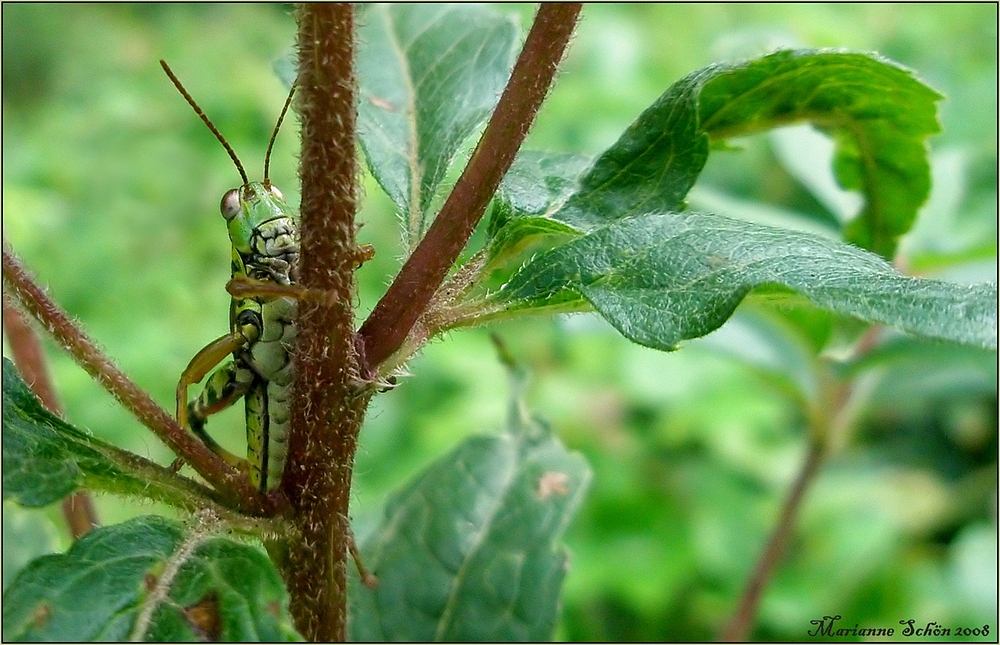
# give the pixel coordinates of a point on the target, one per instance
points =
(211, 126)
(274, 135)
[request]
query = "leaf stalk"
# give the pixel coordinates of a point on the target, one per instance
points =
(411, 292)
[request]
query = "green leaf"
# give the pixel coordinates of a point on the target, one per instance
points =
(45, 458)
(429, 76)
(525, 232)
(537, 184)
(666, 277)
(470, 550)
(879, 114)
(651, 167)
(148, 579)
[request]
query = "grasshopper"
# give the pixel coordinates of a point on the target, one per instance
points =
(264, 234)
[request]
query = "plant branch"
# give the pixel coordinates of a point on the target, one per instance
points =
(78, 508)
(407, 298)
(28, 355)
(325, 406)
(738, 627)
(236, 489)
(831, 422)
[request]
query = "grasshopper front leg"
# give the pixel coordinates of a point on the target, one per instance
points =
(244, 287)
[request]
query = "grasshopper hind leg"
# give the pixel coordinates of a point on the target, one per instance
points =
(224, 387)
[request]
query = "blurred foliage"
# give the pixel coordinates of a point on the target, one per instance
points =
(110, 193)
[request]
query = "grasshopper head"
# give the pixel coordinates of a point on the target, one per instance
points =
(263, 231)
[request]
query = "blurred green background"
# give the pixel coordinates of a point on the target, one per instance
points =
(110, 194)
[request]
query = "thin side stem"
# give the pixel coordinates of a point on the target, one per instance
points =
(236, 488)
(78, 508)
(407, 298)
(831, 422)
(327, 410)
(740, 623)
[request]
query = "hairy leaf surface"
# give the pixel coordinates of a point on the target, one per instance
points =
(429, 76)
(149, 579)
(661, 275)
(45, 458)
(879, 114)
(666, 277)
(470, 550)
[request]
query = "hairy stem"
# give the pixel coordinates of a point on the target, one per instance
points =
(327, 410)
(78, 508)
(236, 489)
(407, 298)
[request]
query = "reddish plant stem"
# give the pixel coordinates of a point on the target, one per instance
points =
(78, 509)
(327, 411)
(407, 298)
(831, 421)
(28, 355)
(236, 489)
(740, 623)
(81, 516)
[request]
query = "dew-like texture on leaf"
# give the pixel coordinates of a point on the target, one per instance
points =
(537, 185)
(429, 75)
(45, 458)
(471, 551)
(111, 579)
(666, 277)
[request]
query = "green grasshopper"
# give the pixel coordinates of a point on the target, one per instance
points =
(264, 234)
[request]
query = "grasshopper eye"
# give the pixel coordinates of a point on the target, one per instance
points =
(230, 206)
(277, 193)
